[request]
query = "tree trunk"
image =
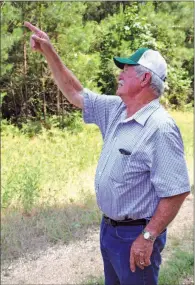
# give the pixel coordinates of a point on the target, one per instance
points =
(25, 65)
(58, 101)
(13, 95)
(24, 95)
(44, 106)
(42, 69)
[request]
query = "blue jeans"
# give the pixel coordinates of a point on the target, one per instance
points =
(115, 244)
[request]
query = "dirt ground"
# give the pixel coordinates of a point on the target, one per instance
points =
(79, 262)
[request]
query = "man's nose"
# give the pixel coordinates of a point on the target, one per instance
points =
(120, 75)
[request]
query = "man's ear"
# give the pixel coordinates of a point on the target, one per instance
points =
(146, 78)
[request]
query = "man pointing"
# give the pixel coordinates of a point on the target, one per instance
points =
(141, 179)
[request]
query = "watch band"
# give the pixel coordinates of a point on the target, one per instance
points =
(148, 236)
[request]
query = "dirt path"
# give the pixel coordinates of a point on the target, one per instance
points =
(77, 262)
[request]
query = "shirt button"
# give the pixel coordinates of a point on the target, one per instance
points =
(100, 173)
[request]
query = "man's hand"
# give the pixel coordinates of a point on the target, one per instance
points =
(140, 253)
(39, 41)
(67, 82)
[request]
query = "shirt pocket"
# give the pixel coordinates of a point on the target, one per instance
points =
(121, 162)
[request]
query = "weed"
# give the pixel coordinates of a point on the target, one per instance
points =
(178, 267)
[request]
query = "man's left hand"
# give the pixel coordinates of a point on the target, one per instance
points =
(140, 253)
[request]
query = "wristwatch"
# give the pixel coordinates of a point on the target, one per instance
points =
(148, 236)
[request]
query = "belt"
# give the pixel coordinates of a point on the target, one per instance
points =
(128, 222)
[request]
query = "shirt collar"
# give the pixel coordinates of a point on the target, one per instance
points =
(144, 113)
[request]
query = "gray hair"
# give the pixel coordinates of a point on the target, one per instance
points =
(156, 84)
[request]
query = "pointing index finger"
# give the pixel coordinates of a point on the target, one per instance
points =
(31, 27)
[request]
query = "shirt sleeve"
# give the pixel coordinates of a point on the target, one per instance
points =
(98, 109)
(169, 174)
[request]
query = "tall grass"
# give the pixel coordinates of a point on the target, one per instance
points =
(185, 121)
(47, 184)
(42, 169)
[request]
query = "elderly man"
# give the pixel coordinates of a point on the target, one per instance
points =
(141, 179)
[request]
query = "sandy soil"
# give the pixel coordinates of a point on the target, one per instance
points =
(79, 262)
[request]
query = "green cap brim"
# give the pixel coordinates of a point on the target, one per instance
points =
(120, 62)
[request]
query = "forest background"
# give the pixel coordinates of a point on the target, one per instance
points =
(87, 35)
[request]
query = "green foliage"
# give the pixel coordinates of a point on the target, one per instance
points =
(22, 182)
(175, 41)
(31, 128)
(11, 33)
(173, 272)
(71, 122)
(8, 129)
(37, 169)
(20, 176)
(124, 32)
(87, 35)
(179, 86)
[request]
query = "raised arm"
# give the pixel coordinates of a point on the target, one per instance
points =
(64, 78)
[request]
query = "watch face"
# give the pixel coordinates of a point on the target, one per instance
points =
(146, 235)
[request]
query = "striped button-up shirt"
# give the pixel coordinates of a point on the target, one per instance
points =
(142, 158)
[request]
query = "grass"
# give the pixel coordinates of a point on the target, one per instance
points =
(48, 183)
(42, 169)
(185, 122)
(47, 187)
(177, 268)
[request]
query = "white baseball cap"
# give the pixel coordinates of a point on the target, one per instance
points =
(151, 59)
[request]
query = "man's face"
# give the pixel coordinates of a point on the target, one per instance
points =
(128, 83)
